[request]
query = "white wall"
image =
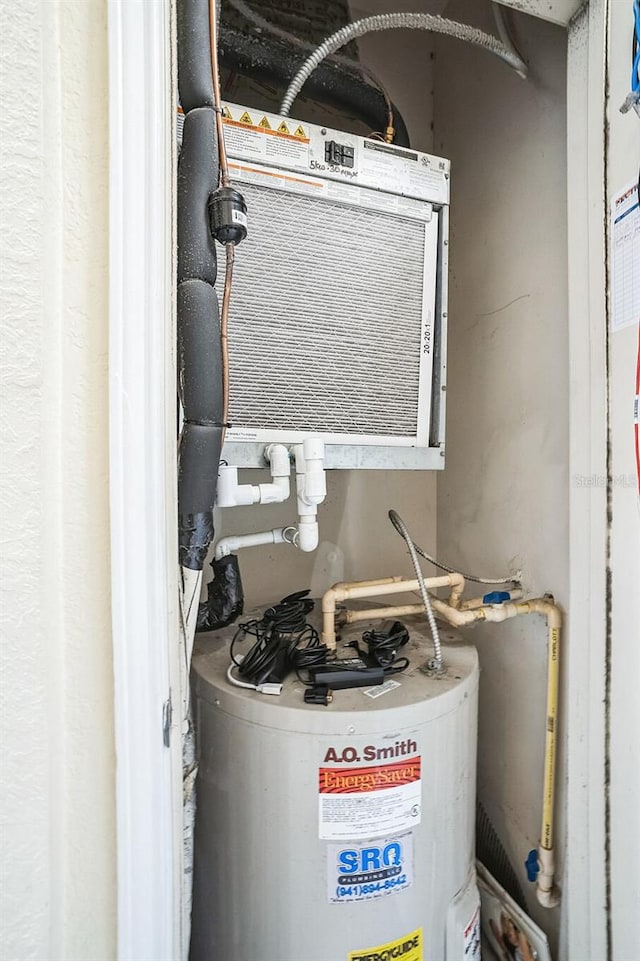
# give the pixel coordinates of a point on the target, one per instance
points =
(624, 158)
(503, 498)
(357, 540)
(58, 769)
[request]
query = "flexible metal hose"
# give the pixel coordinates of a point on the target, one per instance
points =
(437, 663)
(255, 18)
(391, 21)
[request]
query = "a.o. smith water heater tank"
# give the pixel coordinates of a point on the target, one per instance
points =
(337, 833)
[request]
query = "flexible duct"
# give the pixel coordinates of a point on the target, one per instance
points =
(395, 21)
(271, 60)
(270, 30)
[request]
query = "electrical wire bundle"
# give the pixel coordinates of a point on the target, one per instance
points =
(284, 641)
(383, 647)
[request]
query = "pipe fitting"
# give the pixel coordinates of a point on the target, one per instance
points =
(227, 545)
(362, 589)
(307, 535)
(233, 494)
(547, 893)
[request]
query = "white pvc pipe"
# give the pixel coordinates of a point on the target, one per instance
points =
(311, 489)
(231, 493)
(227, 545)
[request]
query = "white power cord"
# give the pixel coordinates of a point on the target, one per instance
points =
(391, 21)
(266, 688)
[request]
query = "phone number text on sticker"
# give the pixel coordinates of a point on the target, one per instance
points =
(362, 872)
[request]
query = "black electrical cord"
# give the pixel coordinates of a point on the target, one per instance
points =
(284, 641)
(383, 647)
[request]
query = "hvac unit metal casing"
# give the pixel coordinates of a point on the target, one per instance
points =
(338, 833)
(338, 313)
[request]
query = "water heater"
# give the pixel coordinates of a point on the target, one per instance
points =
(337, 325)
(341, 832)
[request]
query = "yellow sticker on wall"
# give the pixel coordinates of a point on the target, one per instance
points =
(407, 948)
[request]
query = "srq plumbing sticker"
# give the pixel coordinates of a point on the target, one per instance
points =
(369, 870)
(408, 948)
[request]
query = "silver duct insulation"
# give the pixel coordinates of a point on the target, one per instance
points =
(395, 21)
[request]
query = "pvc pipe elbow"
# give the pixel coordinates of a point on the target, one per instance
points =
(276, 492)
(226, 545)
(232, 494)
(279, 463)
(308, 534)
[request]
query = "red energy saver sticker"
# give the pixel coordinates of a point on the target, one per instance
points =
(378, 777)
(371, 801)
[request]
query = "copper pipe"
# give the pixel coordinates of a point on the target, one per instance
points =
(224, 335)
(217, 102)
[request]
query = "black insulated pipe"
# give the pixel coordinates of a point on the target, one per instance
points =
(194, 57)
(268, 58)
(272, 60)
(199, 357)
(199, 347)
(197, 180)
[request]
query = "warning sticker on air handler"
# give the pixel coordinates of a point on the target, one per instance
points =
(407, 948)
(269, 140)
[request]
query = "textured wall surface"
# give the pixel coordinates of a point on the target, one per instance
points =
(503, 498)
(58, 769)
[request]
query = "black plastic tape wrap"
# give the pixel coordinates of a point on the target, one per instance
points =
(194, 55)
(197, 180)
(271, 59)
(199, 347)
(225, 596)
(195, 533)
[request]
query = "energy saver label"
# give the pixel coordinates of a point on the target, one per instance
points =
(407, 948)
(369, 870)
(359, 800)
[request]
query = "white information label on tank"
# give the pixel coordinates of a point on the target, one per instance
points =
(369, 869)
(472, 938)
(360, 799)
(381, 689)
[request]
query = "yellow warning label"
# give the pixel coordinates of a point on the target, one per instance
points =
(265, 124)
(300, 131)
(246, 118)
(283, 128)
(408, 948)
(226, 113)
